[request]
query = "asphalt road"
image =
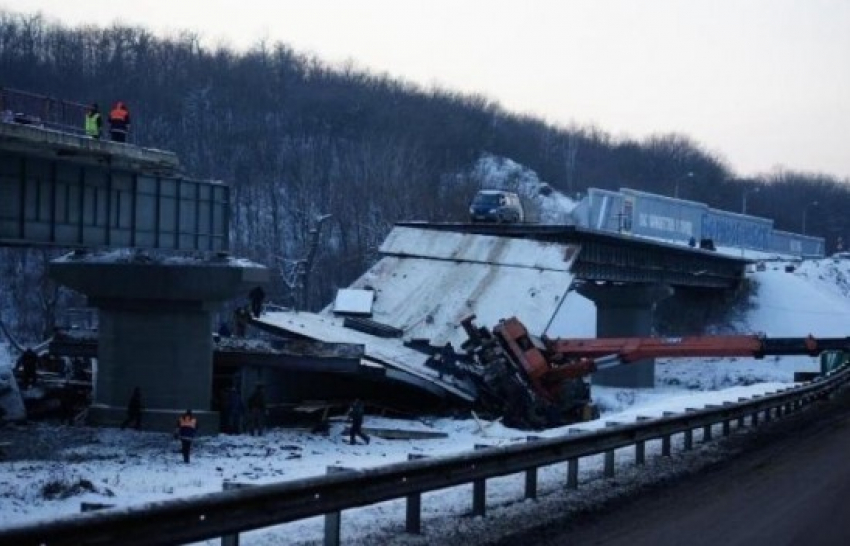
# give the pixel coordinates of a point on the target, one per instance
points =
(790, 485)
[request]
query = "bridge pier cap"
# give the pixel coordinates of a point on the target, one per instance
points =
(626, 310)
(155, 326)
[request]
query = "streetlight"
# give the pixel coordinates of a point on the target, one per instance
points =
(744, 198)
(805, 210)
(676, 188)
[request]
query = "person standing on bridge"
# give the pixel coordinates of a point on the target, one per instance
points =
(187, 426)
(94, 122)
(119, 122)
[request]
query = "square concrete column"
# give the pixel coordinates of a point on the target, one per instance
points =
(626, 310)
(155, 329)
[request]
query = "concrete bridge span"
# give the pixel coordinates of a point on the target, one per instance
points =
(155, 304)
(66, 190)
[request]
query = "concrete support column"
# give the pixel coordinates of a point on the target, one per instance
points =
(625, 311)
(155, 330)
(157, 344)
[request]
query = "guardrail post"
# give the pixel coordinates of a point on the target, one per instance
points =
(226, 485)
(741, 423)
(689, 434)
(333, 520)
(609, 455)
(479, 491)
(706, 430)
(413, 518)
(640, 445)
(572, 464)
(727, 423)
(531, 475)
(665, 440)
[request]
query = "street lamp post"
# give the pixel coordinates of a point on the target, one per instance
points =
(805, 210)
(744, 198)
(676, 187)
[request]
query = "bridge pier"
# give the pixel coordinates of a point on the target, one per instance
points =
(155, 330)
(626, 311)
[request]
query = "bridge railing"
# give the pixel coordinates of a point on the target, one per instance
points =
(32, 109)
(222, 514)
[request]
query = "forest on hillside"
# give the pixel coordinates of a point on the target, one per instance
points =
(299, 140)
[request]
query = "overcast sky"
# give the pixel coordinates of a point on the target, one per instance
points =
(762, 83)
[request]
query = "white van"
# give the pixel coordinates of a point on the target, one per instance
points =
(496, 206)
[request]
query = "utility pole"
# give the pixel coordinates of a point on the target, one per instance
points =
(688, 176)
(744, 198)
(805, 210)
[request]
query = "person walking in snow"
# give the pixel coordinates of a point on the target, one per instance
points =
(257, 411)
(235, 411)
(134, 410)
(355, 414)
(257, 295)
(187, 426)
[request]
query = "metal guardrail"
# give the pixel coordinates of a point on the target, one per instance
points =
(41, 110)
(221, 514)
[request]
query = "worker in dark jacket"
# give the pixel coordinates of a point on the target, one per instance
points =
(240, 320)
(257, 295)
(134, 410)
(356, 416)
(449, 359)
(187, 426)
(119, 122)
(94, 122)
(257, 411)
(67, 404)
(235, 411)
(28, 363)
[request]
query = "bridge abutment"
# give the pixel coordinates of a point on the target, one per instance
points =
(626, 311)
(155, 330)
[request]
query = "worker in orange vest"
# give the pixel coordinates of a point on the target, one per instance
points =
(119, 122)
(187, 425)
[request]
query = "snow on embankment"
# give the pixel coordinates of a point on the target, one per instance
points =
(811, 299)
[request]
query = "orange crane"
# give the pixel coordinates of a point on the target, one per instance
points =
(539, 381)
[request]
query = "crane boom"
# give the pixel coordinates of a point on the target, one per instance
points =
(539, 373)
(632, 349)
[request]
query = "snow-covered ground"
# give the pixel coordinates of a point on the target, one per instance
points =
(124, 468)
(130, 467)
